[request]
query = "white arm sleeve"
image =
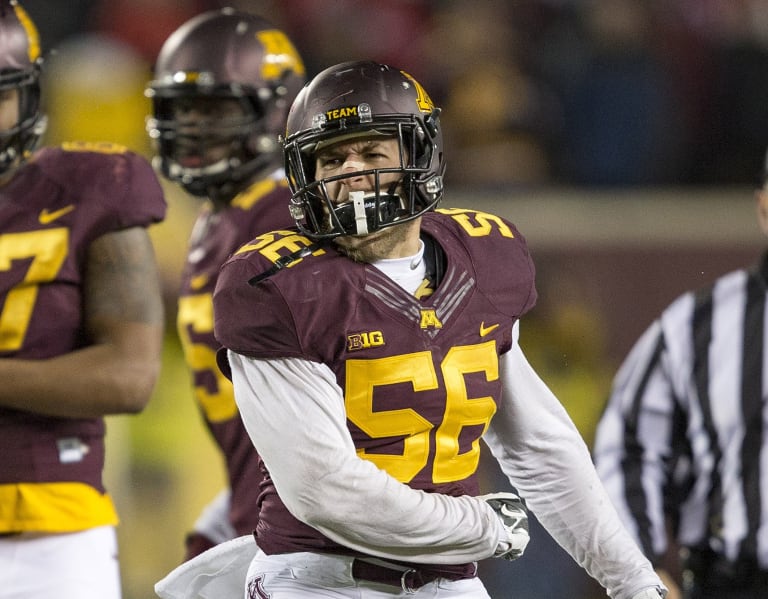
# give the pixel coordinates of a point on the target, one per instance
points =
(213, 521)
(543, 455)
(294, 413)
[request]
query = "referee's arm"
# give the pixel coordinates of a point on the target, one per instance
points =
(633, 444)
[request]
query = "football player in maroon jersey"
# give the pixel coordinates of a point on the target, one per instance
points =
(371, 349)
(81, 322)
(221, 91)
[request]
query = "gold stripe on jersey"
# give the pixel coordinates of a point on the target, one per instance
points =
(102, 147)
(247, 198)
(54, 507)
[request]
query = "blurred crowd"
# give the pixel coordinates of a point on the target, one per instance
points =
(535, 92)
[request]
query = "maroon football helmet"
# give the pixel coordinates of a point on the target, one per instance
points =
(219, 56)
(20, 63)
(356, 99)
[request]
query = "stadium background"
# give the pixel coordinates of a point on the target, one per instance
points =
(623, 137)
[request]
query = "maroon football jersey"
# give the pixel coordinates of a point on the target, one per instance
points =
(50, 212)
(429, 366)
(215, 236)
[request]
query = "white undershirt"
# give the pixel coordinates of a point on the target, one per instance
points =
(407, 272)
(324, 483)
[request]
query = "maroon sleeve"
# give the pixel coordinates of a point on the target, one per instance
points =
(139, 199)
(248, 316)
(498, 254)
(117, 187)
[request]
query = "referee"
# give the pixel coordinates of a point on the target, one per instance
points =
(682, 446)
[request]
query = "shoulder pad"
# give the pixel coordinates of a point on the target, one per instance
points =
(281, 249)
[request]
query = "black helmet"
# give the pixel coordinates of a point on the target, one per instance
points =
(20, 63)
(232, 55)
(360, 99)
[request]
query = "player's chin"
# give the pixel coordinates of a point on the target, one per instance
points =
(362, 248)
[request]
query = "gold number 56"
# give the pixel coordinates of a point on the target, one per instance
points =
(418, 370)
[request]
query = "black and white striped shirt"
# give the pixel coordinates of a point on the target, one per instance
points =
(685, 432)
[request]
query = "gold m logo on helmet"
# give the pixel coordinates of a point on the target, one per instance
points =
(423, 101)
(429, 320)
(282, 55)
(357, 341)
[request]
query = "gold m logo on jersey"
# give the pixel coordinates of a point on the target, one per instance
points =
(357, 341)
(429, 320)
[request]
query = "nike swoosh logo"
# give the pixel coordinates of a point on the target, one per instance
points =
(48, 217)
(484, 330)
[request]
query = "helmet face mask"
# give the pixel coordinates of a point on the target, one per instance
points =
(363, 100)
(222, 88)
(20, 65)
(203, 140)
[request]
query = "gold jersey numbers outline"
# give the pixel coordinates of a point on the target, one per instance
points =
(418, 370)
(277, 244)
(48, 249)
(476, 223)
(195, 316)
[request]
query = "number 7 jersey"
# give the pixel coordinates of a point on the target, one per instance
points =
(50, 212)
(420, 377)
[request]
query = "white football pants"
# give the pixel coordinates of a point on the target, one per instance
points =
(79, 565)
(317, 576)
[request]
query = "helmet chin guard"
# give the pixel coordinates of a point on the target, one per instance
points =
(366, 212)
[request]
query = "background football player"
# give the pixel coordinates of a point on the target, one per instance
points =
(81, 322)
(373, 349)
(222, 87)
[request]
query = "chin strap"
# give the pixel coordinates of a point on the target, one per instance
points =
(361, 217)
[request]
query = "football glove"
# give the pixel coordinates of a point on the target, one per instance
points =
(514, 518)
(654, 593)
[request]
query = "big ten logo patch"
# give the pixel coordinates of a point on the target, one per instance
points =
(358, 341)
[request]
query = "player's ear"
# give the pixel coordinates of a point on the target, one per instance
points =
(761, 197)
